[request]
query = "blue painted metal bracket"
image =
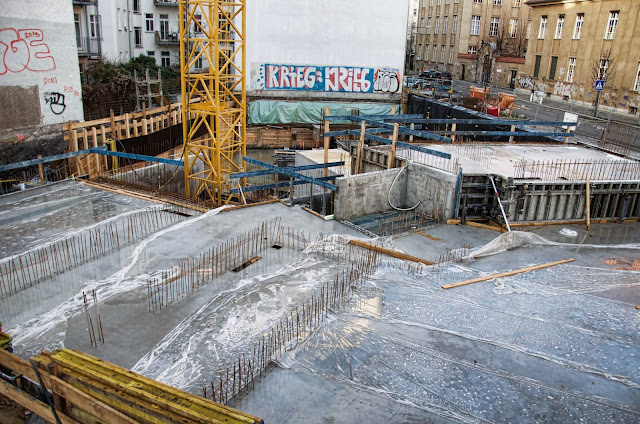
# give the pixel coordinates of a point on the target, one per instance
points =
(48, 159)
(284, 171)
(280, 184)
(408, 146)
(290, 168)
(137, 157)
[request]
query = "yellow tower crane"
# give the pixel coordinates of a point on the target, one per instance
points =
(212, 65)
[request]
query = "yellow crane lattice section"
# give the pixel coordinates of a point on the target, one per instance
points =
(212, 60)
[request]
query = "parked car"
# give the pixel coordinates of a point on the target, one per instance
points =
(428, 74)
(442, 91)
(411, 82)
(445, 76)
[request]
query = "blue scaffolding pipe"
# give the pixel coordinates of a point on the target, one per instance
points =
(280, 184)
(48, 159)
(137, 157)
(408, 146)
(285, 171)
(290, 168)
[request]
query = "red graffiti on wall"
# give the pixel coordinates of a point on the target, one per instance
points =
(24, 49)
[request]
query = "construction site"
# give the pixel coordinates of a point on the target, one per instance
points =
(408, 261)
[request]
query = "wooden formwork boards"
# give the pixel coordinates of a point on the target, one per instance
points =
(89, 390)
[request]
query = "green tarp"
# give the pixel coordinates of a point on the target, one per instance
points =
(279, 112)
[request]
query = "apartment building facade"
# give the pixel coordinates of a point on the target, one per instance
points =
(575, 43)
(476, 40)
(119, 30)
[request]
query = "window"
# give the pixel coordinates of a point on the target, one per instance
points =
(426, 53)
(516, 3)
(424, 3)
(513, 28)
(429, 26)
(451, 53)
(198, 63)
(571, 69)
(166, 60)
(136, 6)
(137, 36)
(442, 53)
(543, 27)
(422, 22)
(119, 17)
(454, 24)
(497, 2)
(76, 22)
(475, 25)
(437, 24)
(197, 24)
(610, 33)
(552, 68)
(493, 27)
(430, 2)
(477, 1)
(439, 2)
(604, 66)
(577, 31)
(472, 50)
(445, 24)
(636, 86)
(151, 53)
(435, 53)
(148, 22)
(95, 27)
(536, 67)
(419, 51)
(528, 29)
(164, 28)
(559, 26)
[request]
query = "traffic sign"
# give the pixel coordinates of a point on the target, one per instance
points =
(599, 85)
(499, 68)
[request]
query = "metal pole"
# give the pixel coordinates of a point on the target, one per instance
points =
(500, 203)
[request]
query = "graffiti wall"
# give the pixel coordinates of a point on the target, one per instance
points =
(327, 78)
(38, 54)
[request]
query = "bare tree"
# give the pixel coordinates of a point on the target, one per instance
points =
(603, 68)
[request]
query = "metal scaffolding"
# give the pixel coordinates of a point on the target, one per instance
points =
(212, 60)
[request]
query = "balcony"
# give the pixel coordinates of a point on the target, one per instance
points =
(88, 46)
(167, 38)
(86, 2)
(166, 2)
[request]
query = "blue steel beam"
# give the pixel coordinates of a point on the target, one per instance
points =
(357, 132)
(290, 168)
(358, 118)
(280, 184)
(515, 133)
(487, 122)
(408, 131)
(48, 159)
(408, 146)
(284, 171)
(137, 157)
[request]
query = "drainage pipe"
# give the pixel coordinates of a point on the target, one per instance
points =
(389, 194)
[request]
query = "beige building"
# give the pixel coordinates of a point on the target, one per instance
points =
(476, 40)
(572, 41)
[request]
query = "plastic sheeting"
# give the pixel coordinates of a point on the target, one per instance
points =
(279, 112)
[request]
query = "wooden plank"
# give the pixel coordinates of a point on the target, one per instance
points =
(32, 404)
(391, 163)
(485, 226)
(88, 404)
(41, 171)
(389, 252)
(20, 366)
(507, 273)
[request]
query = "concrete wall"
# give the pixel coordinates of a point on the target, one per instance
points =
(366, 194)
(39, 74)
(436, 189)
(332, 48)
